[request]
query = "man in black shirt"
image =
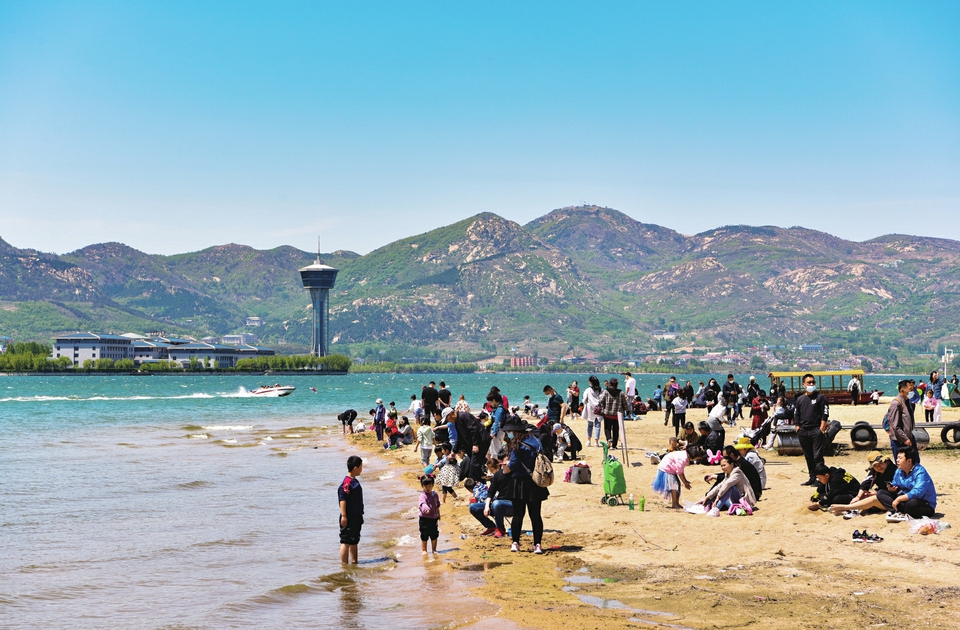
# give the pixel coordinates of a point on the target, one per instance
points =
(430, 396)
(444, 394)
(731, 394)
(811, 425)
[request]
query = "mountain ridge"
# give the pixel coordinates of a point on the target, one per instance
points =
(580, 277)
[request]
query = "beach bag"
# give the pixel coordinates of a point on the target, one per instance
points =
(542, 473)
(580, 474)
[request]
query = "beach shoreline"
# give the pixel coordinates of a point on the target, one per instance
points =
(614, 568)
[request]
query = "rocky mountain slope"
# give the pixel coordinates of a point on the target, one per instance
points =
(587, 276)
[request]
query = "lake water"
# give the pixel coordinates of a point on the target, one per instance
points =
(180, 501)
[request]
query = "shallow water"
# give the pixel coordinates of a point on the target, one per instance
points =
(114, 513)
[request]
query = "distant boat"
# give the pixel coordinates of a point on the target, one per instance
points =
(273, 391)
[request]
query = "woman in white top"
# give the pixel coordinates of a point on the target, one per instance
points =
(591, 398)
(734, 488)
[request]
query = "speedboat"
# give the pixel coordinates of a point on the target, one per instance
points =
(273, 391)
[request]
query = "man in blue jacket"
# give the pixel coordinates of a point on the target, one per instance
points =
(912, 491)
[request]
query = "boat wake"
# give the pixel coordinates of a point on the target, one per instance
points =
(242, 393)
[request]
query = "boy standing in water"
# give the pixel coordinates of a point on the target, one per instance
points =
(350, 495)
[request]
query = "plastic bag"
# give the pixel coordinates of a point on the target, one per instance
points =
(740, 509)
(694, 508)
(925, 526)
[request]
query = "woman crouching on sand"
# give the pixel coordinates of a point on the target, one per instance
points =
(526, 496)
(732, 488)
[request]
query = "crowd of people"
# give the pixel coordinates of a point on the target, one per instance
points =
(496, 451)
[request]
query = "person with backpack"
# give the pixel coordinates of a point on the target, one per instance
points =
(524, 466)
(613, 405)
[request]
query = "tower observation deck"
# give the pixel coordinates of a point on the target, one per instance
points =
(319, 278)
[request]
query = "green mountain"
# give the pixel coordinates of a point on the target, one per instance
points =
(577, 278)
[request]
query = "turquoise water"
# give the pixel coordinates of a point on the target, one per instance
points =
(180, 501)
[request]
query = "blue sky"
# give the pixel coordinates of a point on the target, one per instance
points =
(176, 126)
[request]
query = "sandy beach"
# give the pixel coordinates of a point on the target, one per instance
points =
(608, 567)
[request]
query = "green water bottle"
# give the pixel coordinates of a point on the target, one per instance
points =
(643, 502)
(631, 500)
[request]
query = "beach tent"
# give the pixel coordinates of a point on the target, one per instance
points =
(952, 399)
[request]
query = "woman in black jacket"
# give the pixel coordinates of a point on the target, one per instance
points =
(525, 495)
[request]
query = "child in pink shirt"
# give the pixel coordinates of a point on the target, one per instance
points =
(670, 474)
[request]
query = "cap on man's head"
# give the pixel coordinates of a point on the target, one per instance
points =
(446, 412)
(379, 401)
(821, 469)
(873, 457)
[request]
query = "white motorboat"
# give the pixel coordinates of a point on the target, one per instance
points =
(273, 391)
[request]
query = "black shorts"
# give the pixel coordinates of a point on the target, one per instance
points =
(429, 529)
(350, 535)
(446, 489)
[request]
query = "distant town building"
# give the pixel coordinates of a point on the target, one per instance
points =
(241, 339)
(523, 362)
(253, 321)
(813, 347)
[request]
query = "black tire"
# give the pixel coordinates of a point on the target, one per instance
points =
(950, 435)
(863, 437)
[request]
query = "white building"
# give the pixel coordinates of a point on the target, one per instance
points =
(80, 347)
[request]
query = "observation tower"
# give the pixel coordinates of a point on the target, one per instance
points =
(319, 278)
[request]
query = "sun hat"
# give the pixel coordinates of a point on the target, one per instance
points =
(873, 457)
(557, 425)
(743, 443)
(515, 424)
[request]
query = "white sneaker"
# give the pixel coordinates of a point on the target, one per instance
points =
(537, 549)
(896, 517)
(515, 547)
(851, 514)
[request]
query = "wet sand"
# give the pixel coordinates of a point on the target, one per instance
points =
(608, 567)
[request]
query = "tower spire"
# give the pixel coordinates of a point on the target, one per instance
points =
(318, 248)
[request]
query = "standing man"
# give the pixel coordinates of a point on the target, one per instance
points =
(900, 421)
(811, 426)
(854, 388)
(430, 396)
(444, 395)
(731, 396)
(556, 407)
(630, 384)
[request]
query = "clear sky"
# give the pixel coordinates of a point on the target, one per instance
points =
(176, 126)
